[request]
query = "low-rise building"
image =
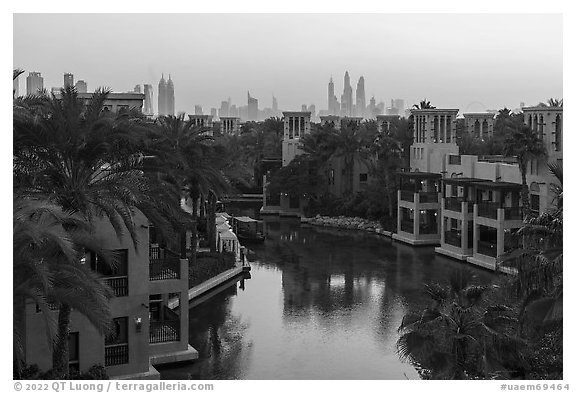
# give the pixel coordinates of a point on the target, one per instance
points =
(147, 329)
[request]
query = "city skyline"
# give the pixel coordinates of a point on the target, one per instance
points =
(451, 60)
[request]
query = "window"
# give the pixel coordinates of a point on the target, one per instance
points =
(74, 351)
(363, 177)
(535, 203)
(116, 343)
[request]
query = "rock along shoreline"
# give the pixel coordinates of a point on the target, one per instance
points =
(343, 222)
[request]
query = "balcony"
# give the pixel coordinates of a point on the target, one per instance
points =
(453, 238)
(407, 195)
(453, 203)
(513, 213)
(116, 354)
(164, 264)
(407, 226)
(487, 248)
(428, 197)
(118, 284)
(164, 331)
(488, 210)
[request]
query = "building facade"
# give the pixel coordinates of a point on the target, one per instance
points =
(230, 125)
(469, 205)
(34, 83)
(147, 328)
(479, 125)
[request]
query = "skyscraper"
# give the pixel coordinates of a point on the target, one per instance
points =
(252, 108)
(138, 89)
(68, 80)
(162, 97)
(198, 110)
(360, 98)
(148, 100)
(274, 105)
(170, 107)
(224, 109)
(331, 98)
(34, 83)
(81, 87)
(346, 104)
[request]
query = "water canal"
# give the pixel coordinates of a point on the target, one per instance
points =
(320, 304)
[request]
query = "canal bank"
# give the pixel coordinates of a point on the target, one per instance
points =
(323, 303)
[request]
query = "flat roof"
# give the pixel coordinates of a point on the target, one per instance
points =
(503, 185)
(542, 108)
(466, 180)
(478, 114)
(420, 175)
(435, 110)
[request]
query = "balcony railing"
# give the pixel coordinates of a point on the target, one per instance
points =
(513, 213)
(453, 238)
(453, 203)
(164, 264)
(407, 195)
(428, 197)
(407, 226)
(487, 248)
(116, 354)
(164, 331)
(488, 209)
(118, 284)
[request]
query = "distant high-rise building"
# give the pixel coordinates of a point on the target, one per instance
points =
(81, 86)
(332, 100)
(398, 103)
(34, 83)
(372, 108)
(68, 80)
(137, 89)
(274, 104)
(360, 98)
(170, 104)
(346, 102)
(198, 110)
(252, 113)
(213, 113)
(162, 97)
(312, 110)
(224, 109)
(234, 112)
(304, 108)
(148, 100)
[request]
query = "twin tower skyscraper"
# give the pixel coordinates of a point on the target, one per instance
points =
(346, 106)
(166, 96)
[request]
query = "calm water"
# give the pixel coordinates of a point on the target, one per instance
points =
(320, 304)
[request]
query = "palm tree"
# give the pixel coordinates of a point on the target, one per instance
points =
(524, 144)
(458, 336)
(423, 105)
(555, 102)
(83, 160)
(388, 158)
(540, 262)
(48, 269)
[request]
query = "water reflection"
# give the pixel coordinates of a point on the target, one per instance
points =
(322, 304)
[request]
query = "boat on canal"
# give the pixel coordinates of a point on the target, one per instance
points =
(248, 230)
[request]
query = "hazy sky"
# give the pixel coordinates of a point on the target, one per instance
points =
(465, 61)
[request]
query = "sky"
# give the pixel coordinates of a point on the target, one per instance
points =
(472, 62)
